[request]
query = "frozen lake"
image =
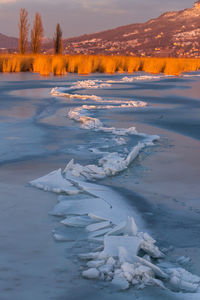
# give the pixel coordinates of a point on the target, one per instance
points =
(90, 119)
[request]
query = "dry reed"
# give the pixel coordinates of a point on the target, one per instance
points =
(86, 64)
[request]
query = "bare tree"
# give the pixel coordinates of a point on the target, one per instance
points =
(58, 42)
(37, 34)
(23, 31)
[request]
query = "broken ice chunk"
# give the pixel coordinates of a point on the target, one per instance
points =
(125, 228)
(177, 285)
(119, 140)
(123, 255)
(128, 270)
(55, 182)
(143, 274)
(151, 249)
(156, 269)
(96, 218)
(90, 255)
(106, 269)
(68, 166)
(157, 282)
(98, 233)
(77, 221)
(112, 244)
(120, 282)
(182, 280)
(92, 273)
(127, 267)
(147, 245)
(183, 260)
(98, 226)
(111, 261)
(95, 263)
(61, 237)
(80, 207)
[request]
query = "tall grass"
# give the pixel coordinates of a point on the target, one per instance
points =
(86, 64)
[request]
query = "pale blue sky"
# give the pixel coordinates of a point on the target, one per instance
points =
(84, 16)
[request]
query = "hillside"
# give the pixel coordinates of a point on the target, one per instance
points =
(175, 33)
(8, 43)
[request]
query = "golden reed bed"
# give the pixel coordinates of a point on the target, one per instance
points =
(83, 64)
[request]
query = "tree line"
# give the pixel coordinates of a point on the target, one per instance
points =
(36, 34)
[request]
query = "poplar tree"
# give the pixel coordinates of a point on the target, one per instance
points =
(23, 31)
(37, 34)
(58, 42)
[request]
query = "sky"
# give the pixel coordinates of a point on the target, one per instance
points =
(78, 17)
